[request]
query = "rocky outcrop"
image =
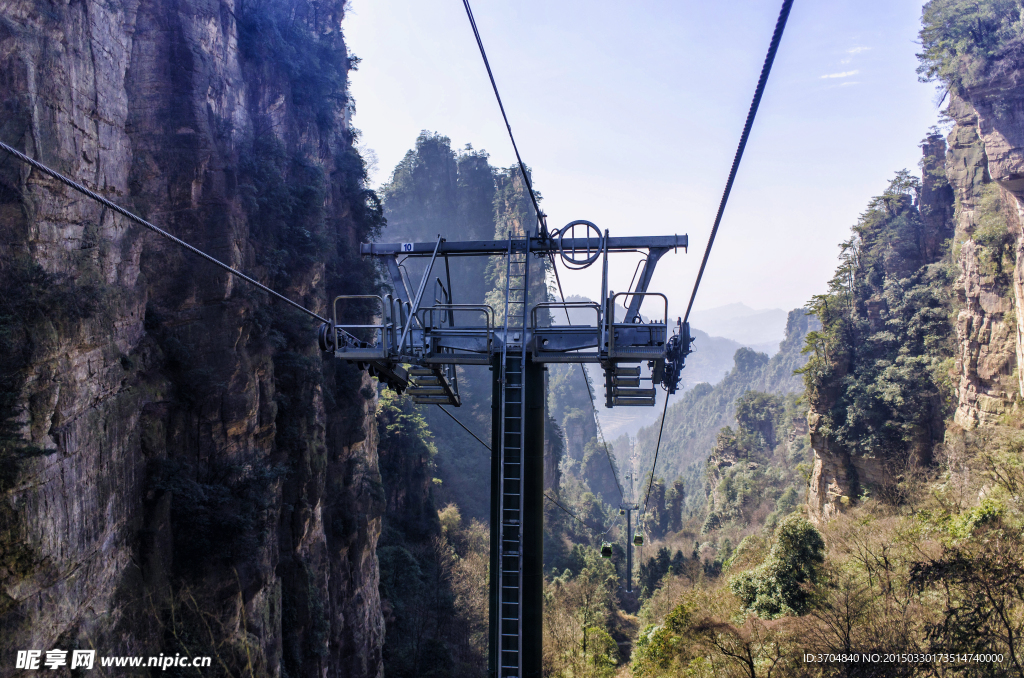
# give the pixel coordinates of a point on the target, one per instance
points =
(876, 341)
(184, 446)
(999, 110)
(987, 333)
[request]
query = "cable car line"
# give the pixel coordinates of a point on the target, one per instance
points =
(494, 85)
(575, 517)
(654, 466)
(773, 47)
(139, 220)
(456, 420)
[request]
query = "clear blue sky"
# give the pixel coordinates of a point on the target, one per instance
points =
(629, 114)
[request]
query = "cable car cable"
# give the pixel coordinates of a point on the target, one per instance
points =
(573, 515)
(139, 220)
(780, 26)
(494, 85)
(654, 466)
(455, 419)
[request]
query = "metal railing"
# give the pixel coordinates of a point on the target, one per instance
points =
(658, 330)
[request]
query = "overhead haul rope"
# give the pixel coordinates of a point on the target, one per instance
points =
(654, 466)
(773, 48)
(464, 427)
(540, 216)
(178, 241)
(575, 517)
(494, 86)
(780, 26)
(139, 220)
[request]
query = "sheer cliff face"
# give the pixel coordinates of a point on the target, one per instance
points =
(185, 447)
(993, 123)
(984, 165)
(988, 333)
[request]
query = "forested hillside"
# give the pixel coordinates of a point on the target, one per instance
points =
(890, 520)
(693, 421)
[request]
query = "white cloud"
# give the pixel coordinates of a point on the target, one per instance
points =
(844, 74)
(857, 50)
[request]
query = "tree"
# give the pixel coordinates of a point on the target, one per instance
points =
(758, 416)
(576, 612)
(779, 585)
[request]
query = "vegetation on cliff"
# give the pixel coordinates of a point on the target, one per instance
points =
(878, 375)
(968, 42)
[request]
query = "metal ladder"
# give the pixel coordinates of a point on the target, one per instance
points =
(510, 555)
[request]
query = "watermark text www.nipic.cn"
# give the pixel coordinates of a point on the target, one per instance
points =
(34, 660)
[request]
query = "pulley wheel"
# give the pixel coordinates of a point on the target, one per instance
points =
(577, 257)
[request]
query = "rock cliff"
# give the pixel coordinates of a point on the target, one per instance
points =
(988, 335)
(983, 163)
(877, 381)
(181, 471)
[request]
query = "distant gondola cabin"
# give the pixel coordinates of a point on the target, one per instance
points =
(606, 550)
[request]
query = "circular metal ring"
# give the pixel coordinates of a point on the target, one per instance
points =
(570, 256)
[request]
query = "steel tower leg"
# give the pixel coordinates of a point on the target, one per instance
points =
(629, 550)
(533, 522)
(531, 591)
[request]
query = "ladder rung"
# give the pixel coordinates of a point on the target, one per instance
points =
(634, 392)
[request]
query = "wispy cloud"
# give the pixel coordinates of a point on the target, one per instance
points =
(849, 82)
(857, 50)
(844, 74)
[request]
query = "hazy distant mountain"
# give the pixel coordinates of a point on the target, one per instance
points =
(761, 329)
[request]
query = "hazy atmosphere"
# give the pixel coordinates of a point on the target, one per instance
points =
(630, 119)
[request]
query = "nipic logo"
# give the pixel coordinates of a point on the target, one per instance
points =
(34, 660)
(31, 659)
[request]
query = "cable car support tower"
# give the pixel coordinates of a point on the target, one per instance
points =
(414, 346)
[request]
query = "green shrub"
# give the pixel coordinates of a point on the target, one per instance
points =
(779, 586)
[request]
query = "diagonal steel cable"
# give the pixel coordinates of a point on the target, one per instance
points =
(494, 86)
(142, 222)
(773, 48)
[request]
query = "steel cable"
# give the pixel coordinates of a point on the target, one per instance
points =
(590, 391)
(773, 47)
(139, 220)
(494, 85)
(455, 419)
(654, 466)
(573, 515)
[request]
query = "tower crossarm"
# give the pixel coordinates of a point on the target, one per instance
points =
(538, 245)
